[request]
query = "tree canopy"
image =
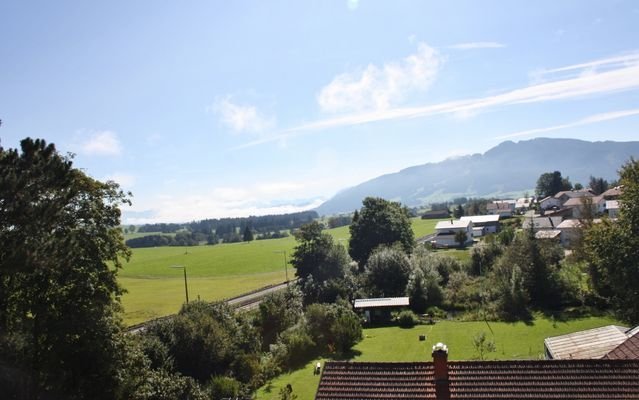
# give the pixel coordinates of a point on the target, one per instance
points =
(550, 183)
(613, 250)
(379, 222)
(61, 249)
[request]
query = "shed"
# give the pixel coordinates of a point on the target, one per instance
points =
(379, 309)
(591, 343)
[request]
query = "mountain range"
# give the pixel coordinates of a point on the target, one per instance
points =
(506, 169)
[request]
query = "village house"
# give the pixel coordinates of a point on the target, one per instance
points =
(541, 223)
(612, 208)
(446, 230)
(559, 199)
(503, 208)
(483, 224)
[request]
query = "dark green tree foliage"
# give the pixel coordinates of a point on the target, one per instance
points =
(321, 265)
(387, 271)
(380, 222)
(550, 183)
(458, 212)
(613, 250)
(248, 234)
(206, 339)
(483, 256)
(598, 185)
(461, 237)
(424, 283)
(333, 327)
(279, 311)
(61, 249)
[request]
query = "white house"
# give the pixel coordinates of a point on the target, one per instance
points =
(612, 208)
(483, 224)
(446, 230)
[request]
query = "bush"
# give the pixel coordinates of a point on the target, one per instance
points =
(223, 386)
(407, 319)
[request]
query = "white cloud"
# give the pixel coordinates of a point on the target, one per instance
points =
(611, 75)
(230, 201)
(584, 121)
(241, 118)
(379, 88)
(126, 181)
(102, 143)
(477, 45)
(352, 4)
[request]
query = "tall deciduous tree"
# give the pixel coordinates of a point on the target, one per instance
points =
(61, 249)
(550, 183)
(613, 249)
(321, 264)
(380, 222)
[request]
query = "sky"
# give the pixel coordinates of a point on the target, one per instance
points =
(208, 109)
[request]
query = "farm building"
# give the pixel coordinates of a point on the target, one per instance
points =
(483, 224)
(379, 309)
(612, 208)
(446, 380)
(541, 223)
(436, 214)
(446, 230)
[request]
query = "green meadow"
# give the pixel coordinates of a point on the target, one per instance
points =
(513, 341)
(213, 272)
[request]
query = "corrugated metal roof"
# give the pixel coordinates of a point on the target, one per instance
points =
(480, 219)
(591, 343)
(382, 302)
(452, 224)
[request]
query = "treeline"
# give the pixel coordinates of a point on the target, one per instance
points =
(180, 239)
(227, 230)
(261, 224)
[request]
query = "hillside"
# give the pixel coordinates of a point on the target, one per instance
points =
(508, 167)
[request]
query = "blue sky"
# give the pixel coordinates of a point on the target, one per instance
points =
(213, 108)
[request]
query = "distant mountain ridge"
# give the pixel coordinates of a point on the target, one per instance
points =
(506, 168)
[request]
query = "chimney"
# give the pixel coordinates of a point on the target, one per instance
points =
(440, 373)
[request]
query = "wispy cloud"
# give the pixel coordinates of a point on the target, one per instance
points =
(100, 143)
(126, 181)
(230, 201)
(380, 87)
(477, 45)
(611, 76)
(584, 121)
(241, 118)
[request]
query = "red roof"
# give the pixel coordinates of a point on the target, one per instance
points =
(628, 350)
(521, 379)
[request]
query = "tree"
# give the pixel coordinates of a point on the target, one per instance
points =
(458, 212)
(379, 222)
(550, 183)
(461, 237)
(483, 345)
(598, 185)
(613, 250)
(248, 234)
(387, 271)
(321, 264)
(61, 250)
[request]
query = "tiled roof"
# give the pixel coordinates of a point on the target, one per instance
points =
(591, 343)
(522, 379)
(628, 350)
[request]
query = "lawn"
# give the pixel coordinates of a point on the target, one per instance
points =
(513, 340)
(213, 272)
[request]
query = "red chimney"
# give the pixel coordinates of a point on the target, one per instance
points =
(440, 367)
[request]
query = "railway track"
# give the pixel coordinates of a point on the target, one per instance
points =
(243, 302)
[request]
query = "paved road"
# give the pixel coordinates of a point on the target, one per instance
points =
(243, 302)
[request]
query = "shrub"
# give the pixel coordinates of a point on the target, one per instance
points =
(407, 319)
(223, 386)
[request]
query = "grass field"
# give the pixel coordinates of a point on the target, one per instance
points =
(213, 272)
(136, 235)
(513, 340)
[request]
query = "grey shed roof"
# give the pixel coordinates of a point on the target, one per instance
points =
(382, 302)
(591, 343)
